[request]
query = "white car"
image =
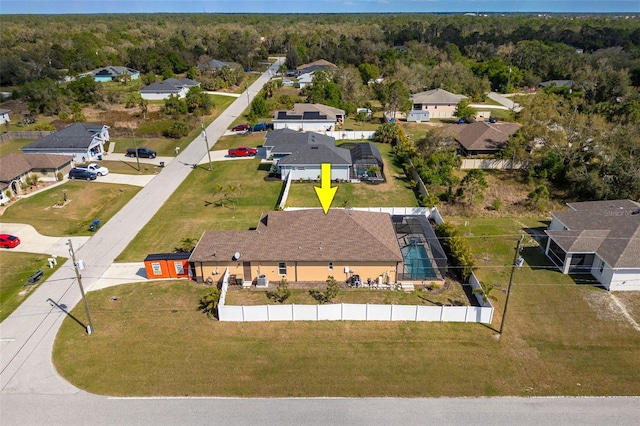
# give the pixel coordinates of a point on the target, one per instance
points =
(96, 168)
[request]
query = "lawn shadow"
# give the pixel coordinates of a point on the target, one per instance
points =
(63, 308)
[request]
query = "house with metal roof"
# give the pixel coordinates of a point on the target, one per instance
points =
(82, 141)
(482, 138)
(598, 237)
(163, 89)
(302, 246)
(436, 103)
(309, 118)
(113, 73)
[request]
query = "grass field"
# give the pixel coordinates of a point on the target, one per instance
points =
(150, 340)
(12, 146)
(86, 201)
(193, 208)
(15, 269)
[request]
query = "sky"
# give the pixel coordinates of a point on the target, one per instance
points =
(316, 6)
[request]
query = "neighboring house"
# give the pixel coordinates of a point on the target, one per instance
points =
(83, 141)
(302, 246)
(282, 142)
(598, 237)
(113, 73)
(164, 89)
(557, 83)
(306, 163)
(482, 138)
(14, 169)
(4, 116)
(214, 65)
(315, 66)
(309, 118)
(436, 103)
(305, 80)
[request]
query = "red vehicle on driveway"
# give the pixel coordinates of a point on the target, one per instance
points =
(240, 127)
(9, 241)
(242, 151)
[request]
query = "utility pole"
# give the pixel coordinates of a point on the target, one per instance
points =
(206, 141)
(79, 277)
(246, 87)
(513, 269)
(135, 146)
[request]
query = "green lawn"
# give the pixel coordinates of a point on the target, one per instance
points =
(193, 208)
(395, 192)
(129, 167)
(86, 201)
(12, 146)
(556, 342)
(15, 269)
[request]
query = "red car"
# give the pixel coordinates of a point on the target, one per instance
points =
(9, 241)
(242, 151)
(240, 127)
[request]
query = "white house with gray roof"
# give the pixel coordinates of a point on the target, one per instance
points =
(83, 141)
(306, 162)
(436, 103)
(4, 116)
(164, 89)
(598, 237)
(113, 73)
(309, 118)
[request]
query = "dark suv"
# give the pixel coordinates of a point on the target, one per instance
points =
(82, 174)
(142, 153)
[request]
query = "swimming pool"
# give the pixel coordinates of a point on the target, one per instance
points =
(417, 262)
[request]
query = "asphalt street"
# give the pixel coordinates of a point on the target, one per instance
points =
(32, 392)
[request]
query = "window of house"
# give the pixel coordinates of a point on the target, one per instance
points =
(179, 268)
(282, 268)
(157, 270)
(601, 268)
(331, 266)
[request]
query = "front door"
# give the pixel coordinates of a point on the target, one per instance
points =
(246, 266)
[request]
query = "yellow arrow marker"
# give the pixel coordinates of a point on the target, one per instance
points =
(325, 192)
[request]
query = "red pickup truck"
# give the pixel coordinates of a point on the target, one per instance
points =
(242, 151)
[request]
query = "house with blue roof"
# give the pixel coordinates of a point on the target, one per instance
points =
(113, 73)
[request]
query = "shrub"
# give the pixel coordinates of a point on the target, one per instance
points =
(178, 130)
(457, 250)
(496, 204)
(209, 302)
(330, 292)
(282, 293)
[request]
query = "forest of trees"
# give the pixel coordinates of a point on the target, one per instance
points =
(587, 138)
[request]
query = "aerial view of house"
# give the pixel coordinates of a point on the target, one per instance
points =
(4, 116)
(309, 118)
(320, 64)
(598, 237)
(215, 64)
(163, 89)
(308, 245)
(482, 138)
(113, 73)
(436, 103)
(82, 141)
(14, 169)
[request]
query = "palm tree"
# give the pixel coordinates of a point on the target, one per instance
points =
(485, 291)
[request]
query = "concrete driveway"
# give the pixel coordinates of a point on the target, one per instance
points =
(33, 242)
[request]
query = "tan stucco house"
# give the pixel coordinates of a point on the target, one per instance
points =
(436, 103)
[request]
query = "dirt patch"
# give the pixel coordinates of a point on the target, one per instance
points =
(607, 307)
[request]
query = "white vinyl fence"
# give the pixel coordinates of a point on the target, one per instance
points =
(350, 312)
(352, 135)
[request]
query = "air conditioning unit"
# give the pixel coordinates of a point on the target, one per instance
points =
(262, 281)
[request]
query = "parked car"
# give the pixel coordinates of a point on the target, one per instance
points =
(9, 241)
(260, 127)
(142, 153)
(97, 168)
(493, 119)
(240, 127)
(86, 174)
(242, 151)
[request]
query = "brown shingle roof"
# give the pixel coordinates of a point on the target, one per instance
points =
(318, 63)
(597, 227)
(306, 235)
(480, 136)
(14, 165)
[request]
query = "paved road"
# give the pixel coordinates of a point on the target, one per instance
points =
(505, 101)
(26, 337)
(32, 392)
